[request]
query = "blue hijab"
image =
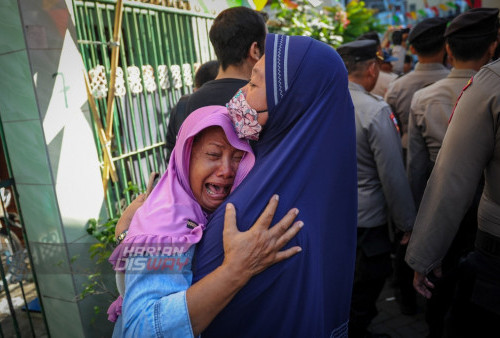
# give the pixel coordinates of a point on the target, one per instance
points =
(307, 155)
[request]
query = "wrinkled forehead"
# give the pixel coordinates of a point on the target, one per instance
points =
(213, 135)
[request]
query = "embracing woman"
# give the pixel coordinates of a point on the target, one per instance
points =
(207, 163)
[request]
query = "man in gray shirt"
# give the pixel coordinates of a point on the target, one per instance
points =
(383, 191)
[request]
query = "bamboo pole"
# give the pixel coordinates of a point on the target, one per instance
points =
(114, 64)
(109, 166)
(111, 91)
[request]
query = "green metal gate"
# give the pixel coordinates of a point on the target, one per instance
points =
(19, 291)
(160, 50)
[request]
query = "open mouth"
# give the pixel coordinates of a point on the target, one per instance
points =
(217, 191)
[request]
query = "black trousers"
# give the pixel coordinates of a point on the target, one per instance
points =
(373, 266)
(475, 311)
(403, 274)
(439, 305)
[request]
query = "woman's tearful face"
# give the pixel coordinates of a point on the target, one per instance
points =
(212, 167)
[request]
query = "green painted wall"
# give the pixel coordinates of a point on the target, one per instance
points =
(45, 116)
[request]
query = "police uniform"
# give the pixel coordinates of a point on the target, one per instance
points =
(401, 91)
(382, 187)
(430, 112)
(382, 183)
(471, 146)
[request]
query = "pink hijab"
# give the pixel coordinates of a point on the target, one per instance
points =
(171, 220)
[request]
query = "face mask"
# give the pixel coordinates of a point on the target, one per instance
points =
(244, 117)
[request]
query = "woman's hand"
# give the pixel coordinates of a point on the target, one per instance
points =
(253, 251)
(127, 215)
(246, 254)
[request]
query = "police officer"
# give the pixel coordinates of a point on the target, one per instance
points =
(471, 39)
(427, 42)
(470, 148)
(470, 43)
(382, 183)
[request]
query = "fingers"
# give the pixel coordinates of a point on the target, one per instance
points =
(139, 200)
(406, 238)
(282, 226)
(151, 181)
(422, 285)
(127, 215)
(288, 235)
(267, 215)
(282, 255)
(438, 272)
(230, 220)
(421, 289)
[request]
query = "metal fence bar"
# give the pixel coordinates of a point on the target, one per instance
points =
(138, 178)
(91, 13)
(6, 284)
(116, 125)
(155, 96)
(139, 98)
(27, 310)
(14, 195)
(158, 48)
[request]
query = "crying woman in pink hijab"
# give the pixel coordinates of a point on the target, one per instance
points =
(153, 262)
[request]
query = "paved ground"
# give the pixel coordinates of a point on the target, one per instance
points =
(7, 327)
(391, 321)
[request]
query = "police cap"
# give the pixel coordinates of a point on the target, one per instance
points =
(361, 50)
(474, 23)
(432, 28)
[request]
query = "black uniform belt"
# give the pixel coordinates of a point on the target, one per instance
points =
(488, 243)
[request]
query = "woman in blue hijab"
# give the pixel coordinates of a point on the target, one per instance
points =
(306, 154)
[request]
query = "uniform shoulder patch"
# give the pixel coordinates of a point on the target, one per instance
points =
(469, 83)
(395, 121)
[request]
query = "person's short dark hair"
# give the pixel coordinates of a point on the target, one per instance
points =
(397, 38)
(427, 37)
(471, 33)
(207, 72)
(370, 36)
(408, 59)
(470, 49)
(265, 16)
(233, 32)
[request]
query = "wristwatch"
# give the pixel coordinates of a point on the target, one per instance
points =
(121, 237)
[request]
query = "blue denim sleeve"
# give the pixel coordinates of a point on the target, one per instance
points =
(154, 304)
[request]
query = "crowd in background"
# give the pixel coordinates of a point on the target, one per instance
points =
(422, 196)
